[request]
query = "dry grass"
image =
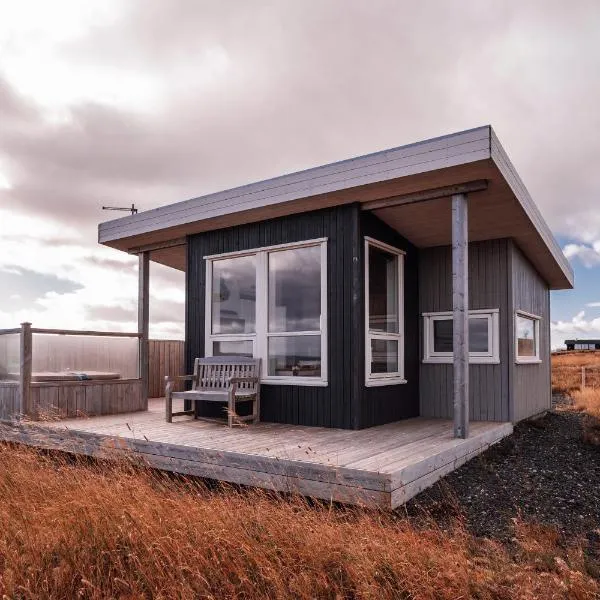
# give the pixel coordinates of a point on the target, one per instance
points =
(566, 371)
(588, 401)
(73, 529)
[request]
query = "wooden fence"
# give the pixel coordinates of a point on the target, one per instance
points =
(165, 358)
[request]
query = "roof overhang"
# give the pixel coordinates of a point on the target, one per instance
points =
(401, 186)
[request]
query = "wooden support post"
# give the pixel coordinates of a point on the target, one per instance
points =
(144, 320)
(25, 371)
(582, 377)
(460, 313)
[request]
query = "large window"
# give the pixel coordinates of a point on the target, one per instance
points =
(527, 338)
(384, 324)
(484, 341)
(271, 303)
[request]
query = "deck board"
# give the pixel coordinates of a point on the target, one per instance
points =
(383, 465)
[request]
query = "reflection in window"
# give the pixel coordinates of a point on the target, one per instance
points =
(526, 337)
(233, 348)
(295, 289)
(295, 356)
(271, 303)
(383, 290)
(234, 295)
(442, 335)
(384, 356)
(478, 335)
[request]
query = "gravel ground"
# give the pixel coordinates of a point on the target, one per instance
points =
(543, 472)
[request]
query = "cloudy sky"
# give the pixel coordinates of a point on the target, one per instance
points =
(155, 101)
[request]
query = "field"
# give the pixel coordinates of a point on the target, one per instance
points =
(567, 368)
(76, 528)
(87, 530)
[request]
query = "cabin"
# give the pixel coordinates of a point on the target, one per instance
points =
(399, 304)
(410, 282)
(582, 344)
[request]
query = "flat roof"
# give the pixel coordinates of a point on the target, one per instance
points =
(504, 209)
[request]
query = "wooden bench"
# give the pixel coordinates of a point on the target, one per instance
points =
(226, 379)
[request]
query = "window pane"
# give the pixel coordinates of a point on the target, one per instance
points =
(442, 335)
(478, 335)
(383, 291)
(231, 348)
(295, 356)
(234, 295)
(384, 356)
(295, 289)
(525, 336)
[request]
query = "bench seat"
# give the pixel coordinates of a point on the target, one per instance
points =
(226, 379)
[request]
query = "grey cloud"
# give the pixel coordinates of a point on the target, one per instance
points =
(129, 264)
(161, 312)
(309, 84)
(20, 288)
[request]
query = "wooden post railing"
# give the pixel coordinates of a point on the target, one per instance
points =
(25, 370)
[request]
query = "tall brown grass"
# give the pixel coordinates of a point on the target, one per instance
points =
(75, 529)
(566, 371)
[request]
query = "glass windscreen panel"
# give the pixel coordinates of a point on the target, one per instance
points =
(62, 357)
(478, 335)
(383, 291)
(234, 295)
(295, 356)
(525, 336)
(384, 356)
(10, 356)
(295, 289)
(233, 348)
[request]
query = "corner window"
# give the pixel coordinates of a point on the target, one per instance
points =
(271, 303)
(484, 341)
(384, 325)
(527, 338)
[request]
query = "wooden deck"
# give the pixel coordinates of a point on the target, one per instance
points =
(383, 466)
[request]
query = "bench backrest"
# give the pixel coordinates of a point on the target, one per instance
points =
(214, 372)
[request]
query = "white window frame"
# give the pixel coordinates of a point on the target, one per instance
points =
(490, 357)
(379, 379)
(524, 360)
(260, 339)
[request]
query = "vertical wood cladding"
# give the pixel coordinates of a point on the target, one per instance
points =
(385, 404)
(489, 384)
(337, 404)
(531, 382)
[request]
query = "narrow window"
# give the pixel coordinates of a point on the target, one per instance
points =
(527, 338)
(484, 344)
(294, 332)
(384, 326)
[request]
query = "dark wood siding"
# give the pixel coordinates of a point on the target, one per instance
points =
(531, 382)
(489, 387)
(385, 404)
(337, 404)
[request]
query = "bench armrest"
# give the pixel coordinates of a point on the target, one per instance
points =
(170, 382)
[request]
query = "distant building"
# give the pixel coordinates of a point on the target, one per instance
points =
(582, 344)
